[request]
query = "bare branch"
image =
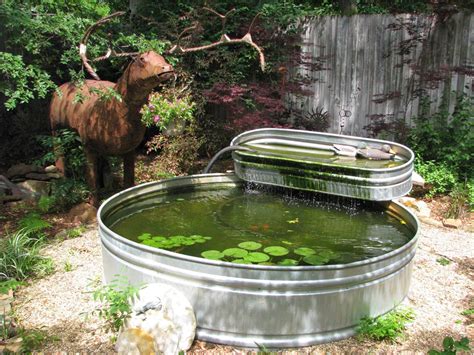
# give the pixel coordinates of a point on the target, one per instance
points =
(253, 22)
(85, 38)
(225, 39)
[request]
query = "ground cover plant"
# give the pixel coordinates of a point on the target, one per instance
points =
(451, 346)
(389, 326)
(115, 298)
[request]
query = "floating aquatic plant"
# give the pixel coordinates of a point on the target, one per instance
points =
(235, 252)
(276, 250)
(212, 254)
(250, 245)
(256, 257)
(304, 251)
(171, 242)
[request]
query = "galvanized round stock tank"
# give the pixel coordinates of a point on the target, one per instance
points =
(245, 305)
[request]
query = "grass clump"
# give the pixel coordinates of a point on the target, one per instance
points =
(20, 252)
(389, 326)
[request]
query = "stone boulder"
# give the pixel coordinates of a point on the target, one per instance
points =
(22, 170)
(35, 188)
(83, 213)
(162, 321)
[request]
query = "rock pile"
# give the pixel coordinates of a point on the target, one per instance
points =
(25, 181)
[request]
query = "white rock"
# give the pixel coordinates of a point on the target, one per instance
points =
(50, 169)
(422, 209)
(163, 314)
(417, 179)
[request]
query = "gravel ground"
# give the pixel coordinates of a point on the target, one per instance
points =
(58, 304)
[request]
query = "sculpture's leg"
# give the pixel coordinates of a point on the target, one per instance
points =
(92, 177)
(129, 169)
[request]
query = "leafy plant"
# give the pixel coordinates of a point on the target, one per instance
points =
(178, 153)
(468, 312)
(115, 297)
(34, 339)
(68, 266)
(33, 223)
(66, 193)
(22, 82)
(67, 144)
(451, 346)
(443, 261)
(439, 176)
(11, 284)
(445, 142)
(161, 110)
(389, 326)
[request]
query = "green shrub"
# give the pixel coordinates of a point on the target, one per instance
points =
(446, 140)
(67, 192)
(450, 346)
(439, 176)
(66, 143)
(115, 297)
(389, 326)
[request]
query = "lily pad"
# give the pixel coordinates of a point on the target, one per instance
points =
(207, 238)
(304, 251)
(267, 263)
(250, 245)
(276, 250)
(148, 242)
(256, 257)
(288, 262)
(235, 252)
(315, 260)
(241, 261)
(212, 254)
(158, 238)
(144, 236)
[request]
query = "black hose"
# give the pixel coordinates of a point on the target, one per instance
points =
(222, 151)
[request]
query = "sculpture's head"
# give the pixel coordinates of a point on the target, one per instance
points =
(150, 68)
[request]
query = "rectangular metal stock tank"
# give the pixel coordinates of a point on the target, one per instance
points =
(295, 159)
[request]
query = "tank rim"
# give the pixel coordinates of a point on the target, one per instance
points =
(235, 141)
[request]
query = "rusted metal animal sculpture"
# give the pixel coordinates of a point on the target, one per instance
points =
(113, 126)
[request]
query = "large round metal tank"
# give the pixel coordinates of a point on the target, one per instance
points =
(244, 305)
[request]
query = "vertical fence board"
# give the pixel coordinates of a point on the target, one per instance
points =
(366, 73)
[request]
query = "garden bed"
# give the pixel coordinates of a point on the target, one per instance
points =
(60, 304)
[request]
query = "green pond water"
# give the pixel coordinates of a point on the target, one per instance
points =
(264, 226)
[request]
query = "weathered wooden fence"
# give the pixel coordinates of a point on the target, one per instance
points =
(376, 67)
